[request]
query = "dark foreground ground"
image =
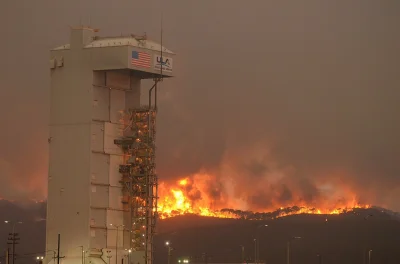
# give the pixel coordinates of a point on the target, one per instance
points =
(341, 239)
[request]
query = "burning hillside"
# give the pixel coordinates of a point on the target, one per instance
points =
(200, 195)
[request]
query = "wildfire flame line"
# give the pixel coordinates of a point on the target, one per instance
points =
(178, 200)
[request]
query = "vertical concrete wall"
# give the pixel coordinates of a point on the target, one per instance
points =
(70, 148)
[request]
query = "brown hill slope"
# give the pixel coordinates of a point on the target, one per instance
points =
(341, 239)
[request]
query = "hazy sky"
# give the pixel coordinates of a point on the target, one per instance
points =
(293, 94)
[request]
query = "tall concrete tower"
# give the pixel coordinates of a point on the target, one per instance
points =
(102, 196)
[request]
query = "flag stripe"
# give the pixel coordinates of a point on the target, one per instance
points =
(141, 59)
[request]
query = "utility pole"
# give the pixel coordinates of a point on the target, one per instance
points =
(288, 249)
(257, 244)
(369, 256)
(205, 257)
(116, 248)
(7, 256)
(288, 252)
(83, 255)
(169, 254)
(170, 248)
(13, 240)
(242, 253)
(58, 250)
(255, 250)
(109, 255)
(319, 258)
(116, 241)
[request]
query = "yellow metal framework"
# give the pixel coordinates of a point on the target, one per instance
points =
(139, 179)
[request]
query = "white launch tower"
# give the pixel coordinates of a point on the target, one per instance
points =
(102, 196)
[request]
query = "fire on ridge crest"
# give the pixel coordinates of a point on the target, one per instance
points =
(182, 199)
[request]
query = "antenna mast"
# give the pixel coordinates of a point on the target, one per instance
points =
(161, 70)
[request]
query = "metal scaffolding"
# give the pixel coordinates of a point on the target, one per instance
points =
(139, 179)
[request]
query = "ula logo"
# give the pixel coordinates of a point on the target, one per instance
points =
(163, 61)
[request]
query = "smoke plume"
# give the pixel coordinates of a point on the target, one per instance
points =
(276, 102)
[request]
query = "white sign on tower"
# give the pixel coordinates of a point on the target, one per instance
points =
(164, 62)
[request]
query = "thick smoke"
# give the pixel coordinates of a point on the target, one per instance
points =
(293, 103)
(281, 102)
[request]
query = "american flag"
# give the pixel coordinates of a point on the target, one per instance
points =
(141, 59)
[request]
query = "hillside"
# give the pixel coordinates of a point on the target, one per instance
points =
(338, 238)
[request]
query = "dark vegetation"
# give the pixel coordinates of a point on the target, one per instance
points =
(338, 238)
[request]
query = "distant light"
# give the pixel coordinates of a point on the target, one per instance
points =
(129, 250)
(167, 243)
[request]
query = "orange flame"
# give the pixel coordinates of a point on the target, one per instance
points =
(191, 195)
